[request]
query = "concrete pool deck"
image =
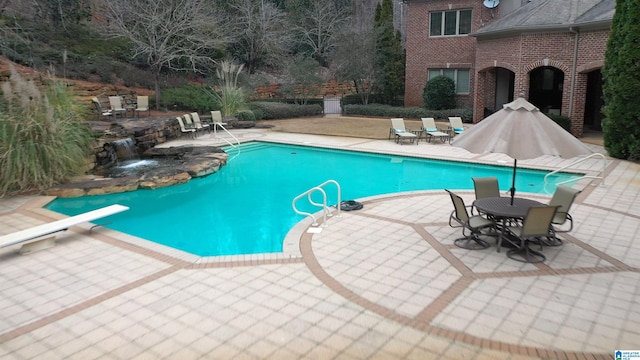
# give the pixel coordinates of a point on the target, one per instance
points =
(383, 282)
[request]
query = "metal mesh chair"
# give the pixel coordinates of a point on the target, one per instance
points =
(474, 224)
(563, 198)
(535, 226)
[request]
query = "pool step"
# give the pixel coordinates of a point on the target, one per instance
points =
(248, 146)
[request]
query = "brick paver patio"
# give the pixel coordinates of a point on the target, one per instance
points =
(379, 283)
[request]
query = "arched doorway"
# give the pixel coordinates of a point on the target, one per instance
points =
(505, 80)
(545, 89)
(593, 102)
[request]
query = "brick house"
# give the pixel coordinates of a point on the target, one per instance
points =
(550, 50)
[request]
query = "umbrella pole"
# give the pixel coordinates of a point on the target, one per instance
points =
(513, 181)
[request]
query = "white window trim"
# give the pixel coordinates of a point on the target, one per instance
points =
(443, 23)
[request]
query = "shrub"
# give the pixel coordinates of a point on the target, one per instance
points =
(189, 97)
(373, 99)
(621, 87)
(439, 93)
(563, 121)
(43, 139)
(245, 115)
(409, 112)
(274, 110)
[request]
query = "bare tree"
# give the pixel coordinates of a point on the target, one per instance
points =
(319, 26)
(359, 69)
(262, 31)
(174, 34)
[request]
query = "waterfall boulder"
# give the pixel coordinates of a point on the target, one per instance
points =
(94, 186)
(163, 177)
(187, 162)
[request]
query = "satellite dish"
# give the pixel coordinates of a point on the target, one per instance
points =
(491, 4)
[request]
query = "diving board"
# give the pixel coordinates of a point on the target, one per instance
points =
(53, 227)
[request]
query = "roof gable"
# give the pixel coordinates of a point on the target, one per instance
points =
(548, 15)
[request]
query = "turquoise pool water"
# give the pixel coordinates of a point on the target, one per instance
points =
(245, 208)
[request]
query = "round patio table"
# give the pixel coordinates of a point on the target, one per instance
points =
(501, 209)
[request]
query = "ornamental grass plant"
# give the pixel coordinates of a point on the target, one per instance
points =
(230, 96)
(43, 137)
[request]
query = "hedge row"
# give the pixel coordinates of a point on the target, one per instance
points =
(409, 112)
(264, 110)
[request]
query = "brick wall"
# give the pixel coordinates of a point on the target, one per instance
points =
(451, 52)
(525, 53)
(519, 54)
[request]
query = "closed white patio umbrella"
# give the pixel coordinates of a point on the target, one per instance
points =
(521, 131)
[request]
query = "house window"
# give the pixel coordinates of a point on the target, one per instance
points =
(450, 23)
(459, 76)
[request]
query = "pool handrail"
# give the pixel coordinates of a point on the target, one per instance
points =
(603, 173)
(221, 125)
(325, 207)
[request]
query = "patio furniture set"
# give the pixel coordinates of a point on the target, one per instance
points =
(401, 134)
(191, 123)
(119, 105)
(514, 222)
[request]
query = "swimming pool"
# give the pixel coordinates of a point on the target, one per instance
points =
(245, 208)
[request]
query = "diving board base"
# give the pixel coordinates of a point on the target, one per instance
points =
(37, 245)
(45, 231)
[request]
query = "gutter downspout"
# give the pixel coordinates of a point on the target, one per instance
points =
(573, 69)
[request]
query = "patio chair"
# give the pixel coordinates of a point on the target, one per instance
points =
(485, 187)
(199, 124)
(216, 121)
(535, 226)
(116, 105)
(400, 132)
(142, 105)
(563, 197)
(475, 224)
(99, 110)
(431, 131)
(185, 129)
(189, 122)
(455, 124)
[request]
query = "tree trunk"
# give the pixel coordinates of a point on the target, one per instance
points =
(156, 79)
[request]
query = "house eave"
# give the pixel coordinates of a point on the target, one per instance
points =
(542, 29)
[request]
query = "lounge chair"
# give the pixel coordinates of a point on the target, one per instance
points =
(189, 122)
(186, 129)
(455, 124)
(99, 110)
(535, 226)
(474, 223)
(563, 197)
(142, 105)
(217, 122)
(116, 105)
(34, 238)
(399, 132)
(198, 124)
(431, 131)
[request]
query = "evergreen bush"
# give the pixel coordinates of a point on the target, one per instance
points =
(189, 97)
(274, 110)
(379, 110)
(245, 115)
(563, 121)
(621, 88)
(439, 93)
